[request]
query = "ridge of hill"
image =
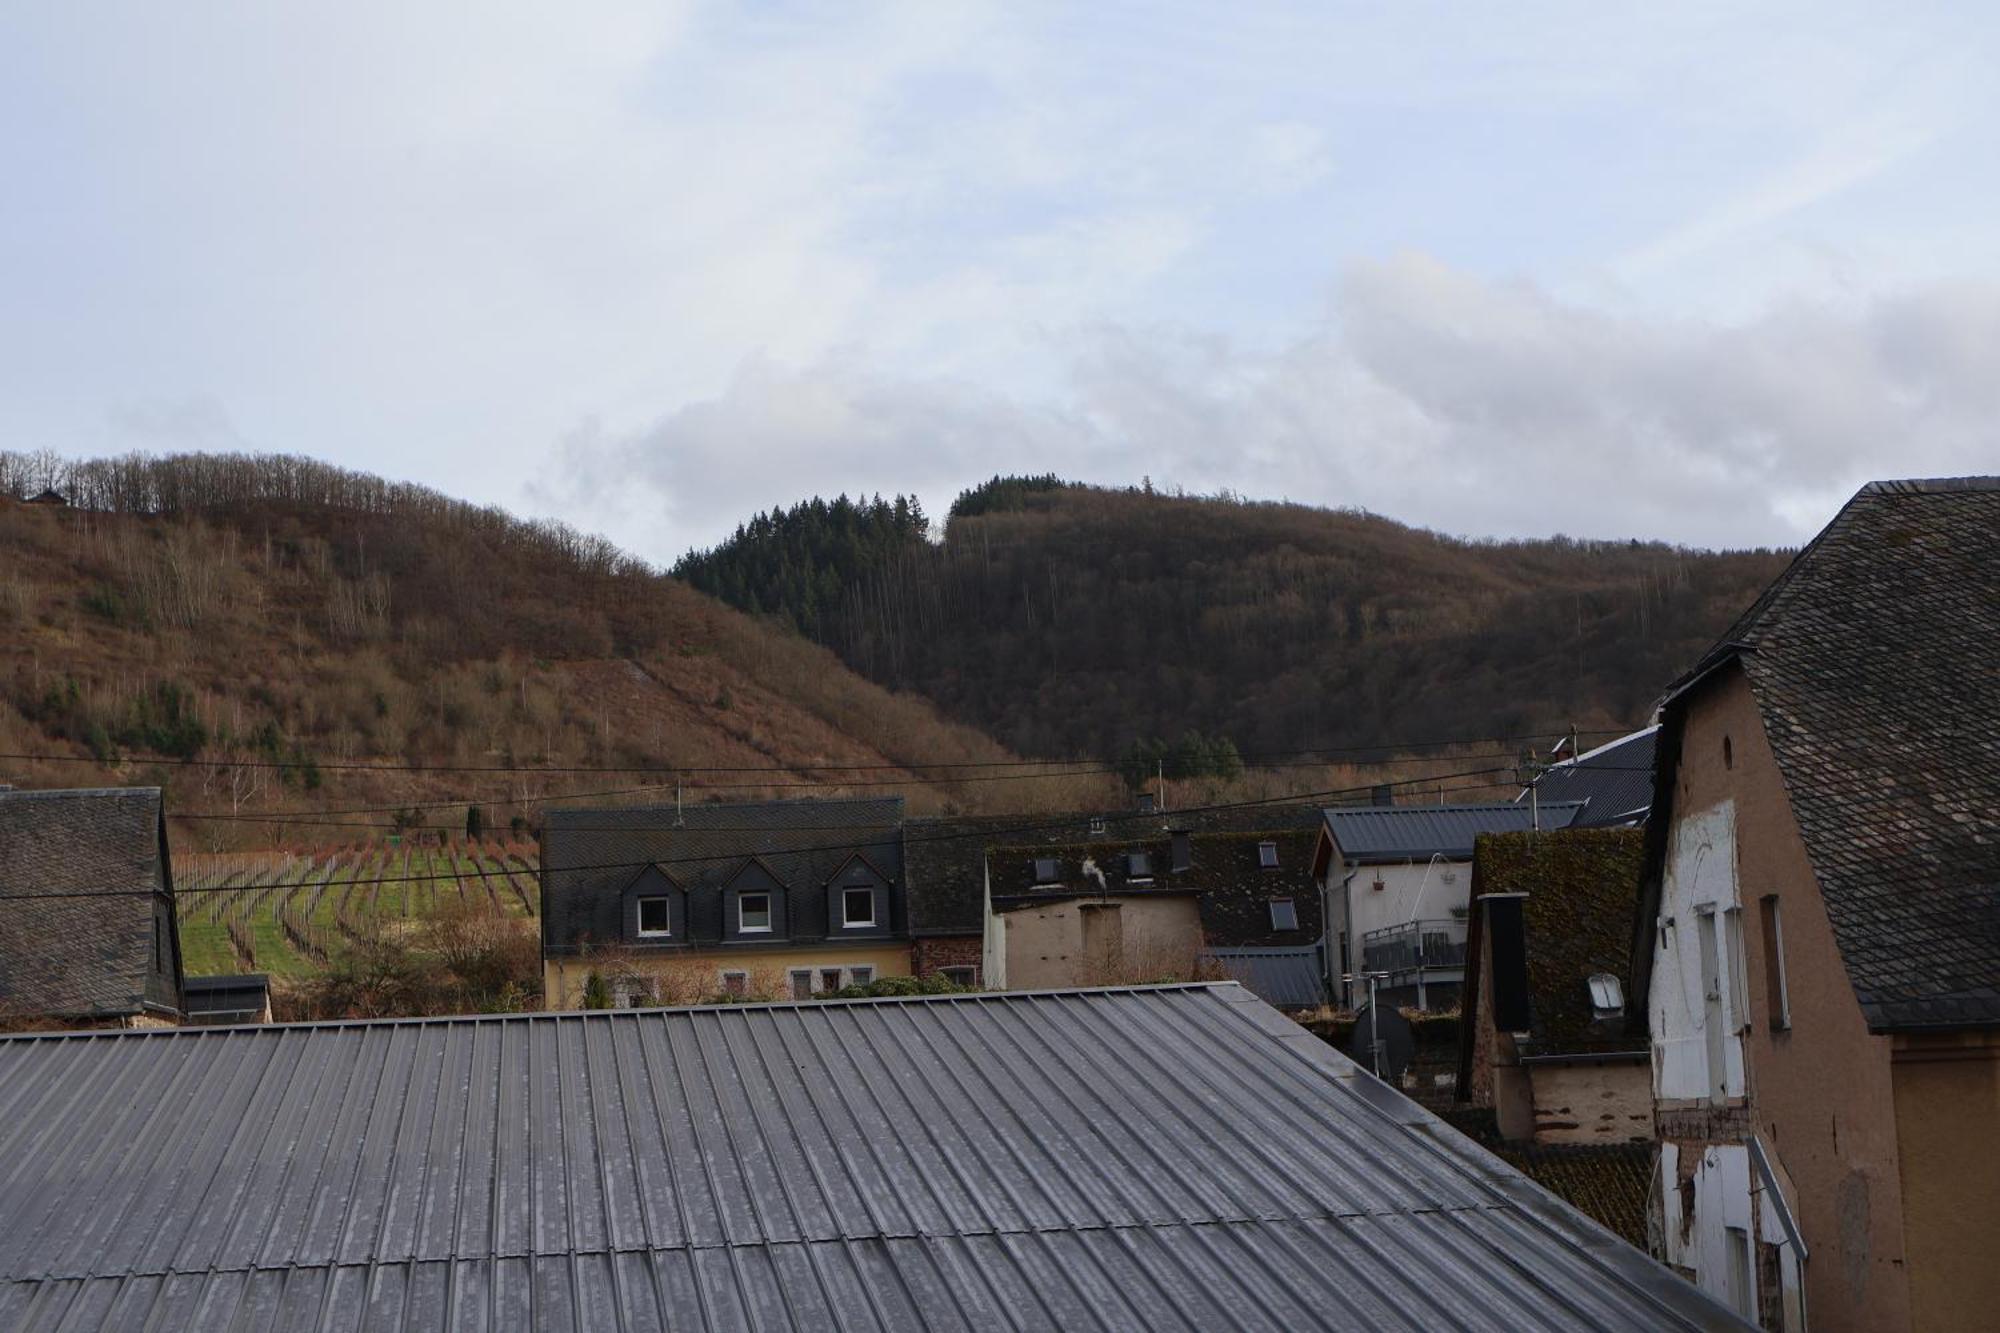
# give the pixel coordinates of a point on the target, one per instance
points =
(1066, 619)
(182, 612)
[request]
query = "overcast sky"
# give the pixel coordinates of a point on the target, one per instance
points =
(1681, 271)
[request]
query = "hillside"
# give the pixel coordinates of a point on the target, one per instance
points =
(1069, 620)
(188, 612)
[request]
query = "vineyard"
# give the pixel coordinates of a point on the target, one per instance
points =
(286, 911)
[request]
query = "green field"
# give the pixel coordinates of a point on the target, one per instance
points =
(285, 911)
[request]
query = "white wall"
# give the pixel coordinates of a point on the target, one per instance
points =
(1723, 1201)
(1425, 892)
(1699, 900)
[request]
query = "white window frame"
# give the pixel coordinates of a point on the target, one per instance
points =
(1774, 953)
(860, 976)
(971, 972)
(741, 980)
(743, 927)
(1267, 856)
(640, 910)
(847, 922)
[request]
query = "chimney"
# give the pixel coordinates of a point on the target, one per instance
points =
(1384, 794)
(1183, 849)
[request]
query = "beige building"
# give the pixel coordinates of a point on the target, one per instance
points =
(1820, 935)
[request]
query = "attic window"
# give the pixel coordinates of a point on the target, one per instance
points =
(857, 907)
(1607, 996)
(1045, 870)
(1284, 914)
(656, 916)
(1138, 866)
(753, 913)
(1267, 855)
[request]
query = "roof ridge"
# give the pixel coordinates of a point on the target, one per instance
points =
(1930, 485)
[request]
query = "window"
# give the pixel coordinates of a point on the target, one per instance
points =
(736, 985)
(1742, 1287)
(967, 977)
(802, 983)
(1097, 823)
(1138, 866)
(753, 912)
(860, 976)
(1607, 995)
(857, 907)
(1267, 855)
(1739, 987)
(656, 916)
(829, 978)
(1046, 871)
(1776, 992)
(1284, 914)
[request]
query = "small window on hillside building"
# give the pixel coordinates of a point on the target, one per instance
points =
(1776, 992)
(1138, 866)
(857, 908)
(736, 985)
(753, 912)
(1284, 914)
(1607, 995)
(1267, 855)
(656, 916)
(1046, 871)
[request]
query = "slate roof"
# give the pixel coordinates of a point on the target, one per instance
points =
(588, 856)
(72, 956)
(1582, 888)
(1607, 1182)
(238, 998)
(1614, 782)
(1875, 662)
(1386, 833)
(1176, 1157)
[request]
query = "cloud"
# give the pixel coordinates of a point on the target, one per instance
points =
(1431, 395)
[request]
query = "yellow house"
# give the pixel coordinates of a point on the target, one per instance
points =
(763, 900)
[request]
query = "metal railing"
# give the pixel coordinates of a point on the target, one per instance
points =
(1414, 946)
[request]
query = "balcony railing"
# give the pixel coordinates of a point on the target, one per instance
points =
(1414, 947)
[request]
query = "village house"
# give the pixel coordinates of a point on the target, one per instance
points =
(1177, 1157)
(87, 934)
(660, 904)
(1820, 930)
(1169, 905)
(1394, 882)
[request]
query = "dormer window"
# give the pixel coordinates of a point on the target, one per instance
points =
(1138, 867)
(753, 913)
(1284, 914)
(857, 908)
(1607, 996)
(1267, 855)
(1046, 871)
(656, 916)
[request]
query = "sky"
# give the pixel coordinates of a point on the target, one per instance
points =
(1691, 272)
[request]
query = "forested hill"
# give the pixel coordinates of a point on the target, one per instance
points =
(1069, 620)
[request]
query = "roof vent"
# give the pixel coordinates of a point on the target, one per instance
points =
(1607, 996)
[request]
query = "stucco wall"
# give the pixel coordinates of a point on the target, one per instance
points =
(1820, 1094)
(1413, 891)
(690, 977)
(1601, 1102)
(1097, 942)
(1947, 1091)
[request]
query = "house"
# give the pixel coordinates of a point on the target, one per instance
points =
(740, 900)
(1176, 1157)
(1614, 782)
(1122, 909)
(87, 931)
(1549, 1037)
(1820, 932)
(1394, 881)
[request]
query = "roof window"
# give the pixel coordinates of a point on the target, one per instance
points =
(1607, 995)
(1267, 855)
(1046, 870)
(1284, 914)
(1138, 866)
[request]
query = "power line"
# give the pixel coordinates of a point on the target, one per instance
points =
(1126, 817)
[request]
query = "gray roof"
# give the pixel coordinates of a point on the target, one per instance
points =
(589, 855)
(216, 999)
(93, 865)
(1873, 662)
(1175, 1157)
(1287, 978)
(1373, 833)
(1614, 782)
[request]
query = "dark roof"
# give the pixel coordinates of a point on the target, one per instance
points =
(946, 856)
(1162, 1157)
(588, 856)
(1374, 833)
(1286, 978)
(82, 956)
(1582, 888)
(1607, 1182)
(1874, 664)
(1614, 782)
(217, 998)
(1234, 890)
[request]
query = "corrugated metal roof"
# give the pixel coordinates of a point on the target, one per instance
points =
(1288, 978)
(1412, 832)
(1173, 1157)
(1614, 782)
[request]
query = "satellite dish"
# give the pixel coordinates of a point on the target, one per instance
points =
(1382, 1042)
